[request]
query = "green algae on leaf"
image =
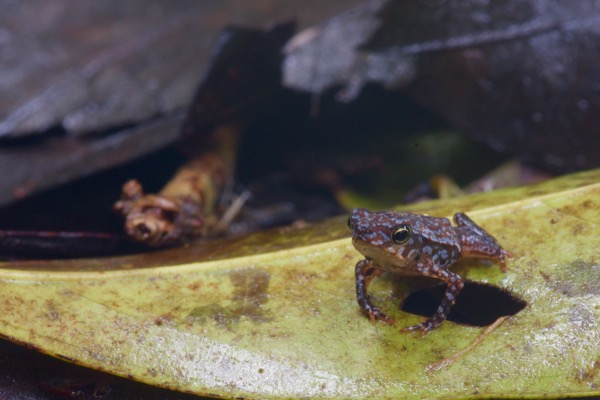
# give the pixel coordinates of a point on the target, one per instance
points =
(274, 315)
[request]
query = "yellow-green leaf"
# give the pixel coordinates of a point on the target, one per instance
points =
(275, 315)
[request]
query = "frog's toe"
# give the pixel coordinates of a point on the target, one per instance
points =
(423, 327)
(503, 256)
(377, 315)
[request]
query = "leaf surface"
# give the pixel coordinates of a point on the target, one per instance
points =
(274, 314)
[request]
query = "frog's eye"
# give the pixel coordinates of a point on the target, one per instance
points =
(401, 234)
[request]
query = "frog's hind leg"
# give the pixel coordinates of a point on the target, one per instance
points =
(365, 272)
(455, 285)
(476, 242)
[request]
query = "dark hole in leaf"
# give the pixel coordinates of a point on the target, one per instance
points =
(478, 304)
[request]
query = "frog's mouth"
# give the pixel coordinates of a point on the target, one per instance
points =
(387, 258)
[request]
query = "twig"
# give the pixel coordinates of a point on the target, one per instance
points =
(186, 208)
(449, 360)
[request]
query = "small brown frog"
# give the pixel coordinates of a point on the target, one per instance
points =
(418, 245)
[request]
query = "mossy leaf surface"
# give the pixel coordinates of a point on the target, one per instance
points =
(274, 315)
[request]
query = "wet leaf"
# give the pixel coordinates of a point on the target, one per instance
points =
(274, 314)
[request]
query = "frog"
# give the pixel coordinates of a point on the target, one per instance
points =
(417, 245)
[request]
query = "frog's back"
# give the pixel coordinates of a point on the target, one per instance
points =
(433, 229)
(438, 237)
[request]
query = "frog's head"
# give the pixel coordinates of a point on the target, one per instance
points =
(385, 237)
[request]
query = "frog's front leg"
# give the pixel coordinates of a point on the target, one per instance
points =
(365, 272)
(455, 285)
